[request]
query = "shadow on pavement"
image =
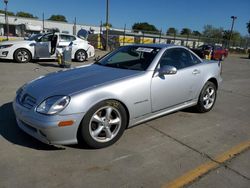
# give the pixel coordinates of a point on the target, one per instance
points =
(11, 132)
(244, 57)
(7, 61)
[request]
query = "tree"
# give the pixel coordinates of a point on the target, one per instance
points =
(196, 33)
(248, 27)
(25, 15)
(8, 13)
(186, 31)
(172, 31)
(212, 32)
(235, 35)
(58, 17)
(144, 27)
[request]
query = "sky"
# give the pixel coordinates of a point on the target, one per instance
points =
(193, 14)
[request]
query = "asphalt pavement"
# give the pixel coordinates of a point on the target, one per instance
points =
(181, 149)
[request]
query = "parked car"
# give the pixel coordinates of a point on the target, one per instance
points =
(95, 103)
(216, 52)
(45, 46)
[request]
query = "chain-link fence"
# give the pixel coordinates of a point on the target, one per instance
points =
(124, 37)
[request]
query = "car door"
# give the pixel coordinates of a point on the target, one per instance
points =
(43, 46)
(173, 89)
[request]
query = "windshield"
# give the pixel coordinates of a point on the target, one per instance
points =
(35, 37)
(130, 57)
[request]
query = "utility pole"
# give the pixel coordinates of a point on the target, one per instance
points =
(107, 24)
(74, 27)
(231, 31)
(6, 17)
(43, 23)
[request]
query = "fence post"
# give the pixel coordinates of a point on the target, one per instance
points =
(143, 37)
(174, 36)
(124, 34)
(187, 39)
(160, 36)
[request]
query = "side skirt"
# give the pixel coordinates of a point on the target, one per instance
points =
(163, 112)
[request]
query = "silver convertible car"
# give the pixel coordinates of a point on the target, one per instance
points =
(94, 104)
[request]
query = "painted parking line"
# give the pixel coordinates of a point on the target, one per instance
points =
(203, 169)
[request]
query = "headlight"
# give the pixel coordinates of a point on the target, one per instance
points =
(5, 46)
(53, 105)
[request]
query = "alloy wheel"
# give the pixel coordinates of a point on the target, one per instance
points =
(105, 124)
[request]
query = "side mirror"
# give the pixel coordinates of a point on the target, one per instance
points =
(166, 69)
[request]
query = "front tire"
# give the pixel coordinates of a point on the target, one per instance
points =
(80, 55)
(207, 97)
(103, 124)
(22, 56)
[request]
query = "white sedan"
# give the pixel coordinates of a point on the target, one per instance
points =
(43, 46)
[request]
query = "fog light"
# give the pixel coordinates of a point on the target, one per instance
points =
(65, 123)
(5, 53)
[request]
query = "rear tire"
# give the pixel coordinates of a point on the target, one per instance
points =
(103, 124)
(80, 55)
(22, 56)
(207, 98)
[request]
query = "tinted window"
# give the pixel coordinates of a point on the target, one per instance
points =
(177, 57)
(196, 60)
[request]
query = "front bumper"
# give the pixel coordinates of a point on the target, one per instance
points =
(45, 128)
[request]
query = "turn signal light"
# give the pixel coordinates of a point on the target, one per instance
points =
(65, 123)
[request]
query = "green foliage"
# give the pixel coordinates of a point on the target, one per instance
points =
(25, 15)
(248, 27)
(196, 33)
(235, 35)
(144, 27)
(212, 32)
(8, 13)
(186, 31)
(172, 31)
(58, 17)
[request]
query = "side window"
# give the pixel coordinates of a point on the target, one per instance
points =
(185, 58)
(66, 38)
(46, 38)
(196, 60)
(171, 58)
(179, 58)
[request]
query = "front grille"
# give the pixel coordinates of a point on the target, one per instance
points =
(26, 100)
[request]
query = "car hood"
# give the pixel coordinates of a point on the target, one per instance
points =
(16, 42)
(75, 80)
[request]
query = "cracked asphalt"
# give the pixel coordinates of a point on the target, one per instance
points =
(153, 154)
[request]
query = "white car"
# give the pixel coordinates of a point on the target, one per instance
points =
(44, 46)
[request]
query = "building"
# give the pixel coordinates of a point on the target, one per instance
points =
(21, 27)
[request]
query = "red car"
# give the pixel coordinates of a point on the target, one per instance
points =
(216, 52)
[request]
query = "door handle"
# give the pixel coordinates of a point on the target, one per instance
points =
(196, 71)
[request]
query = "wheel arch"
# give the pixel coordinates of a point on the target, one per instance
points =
(113, 99)
(31, 55)
(214, 81)
(81, 49)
